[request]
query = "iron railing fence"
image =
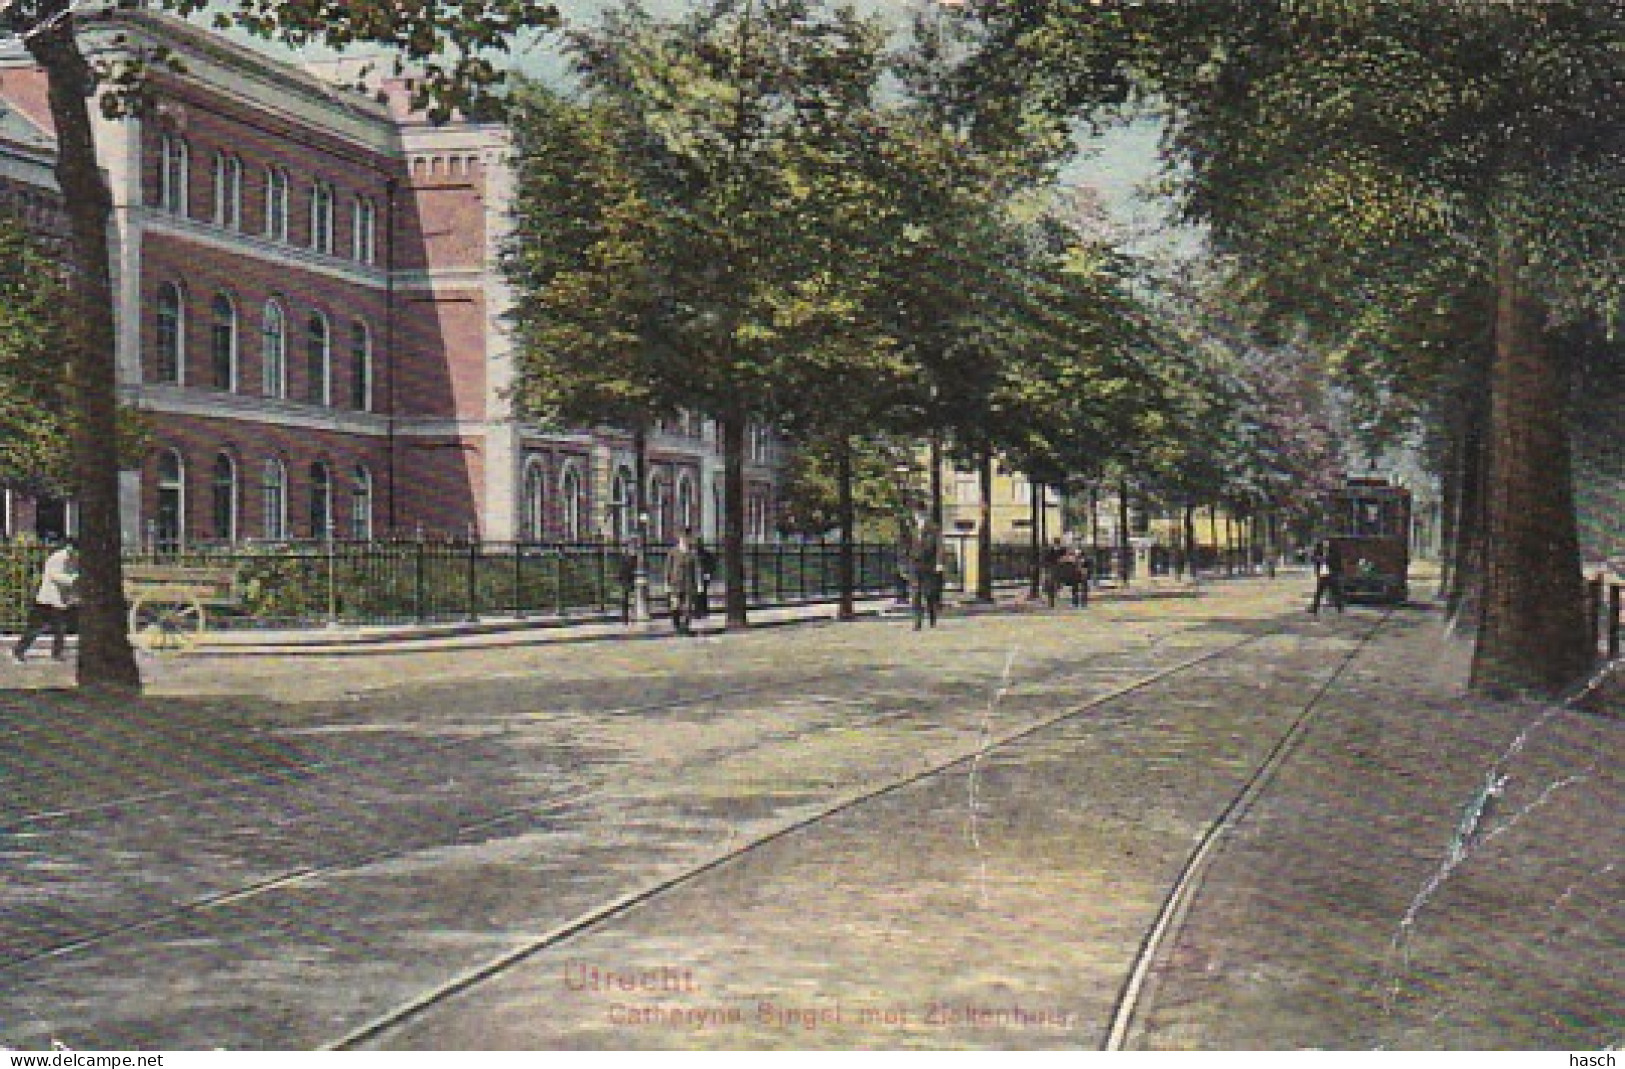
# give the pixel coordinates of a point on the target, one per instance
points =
(301, 584)
(1014, 562)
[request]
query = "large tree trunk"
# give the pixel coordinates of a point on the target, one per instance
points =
(1464, 591)
(1532, 637)
(106, 660)
(733, 516)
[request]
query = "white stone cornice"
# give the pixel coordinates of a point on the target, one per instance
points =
(444, 278)
(260, 249)
(245, 409)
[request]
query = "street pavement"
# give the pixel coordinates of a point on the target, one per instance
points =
(849, 836)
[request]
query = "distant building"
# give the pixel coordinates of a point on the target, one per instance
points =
(309, 307)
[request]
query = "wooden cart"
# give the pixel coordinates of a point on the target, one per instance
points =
(170, 603)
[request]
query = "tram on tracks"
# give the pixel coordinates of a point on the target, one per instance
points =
(1370, 520)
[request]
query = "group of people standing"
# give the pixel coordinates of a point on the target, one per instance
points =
(690, 567)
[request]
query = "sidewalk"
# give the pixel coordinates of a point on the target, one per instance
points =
(492, 632)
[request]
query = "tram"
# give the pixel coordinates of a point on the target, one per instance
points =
(1370, 519)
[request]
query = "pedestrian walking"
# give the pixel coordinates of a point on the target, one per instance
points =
(683, 583)
(1328, 562)
(925, 575)
(52, 603)
(708, 569)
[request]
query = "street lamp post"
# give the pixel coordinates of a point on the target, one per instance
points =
(903, 471)
(640, 570)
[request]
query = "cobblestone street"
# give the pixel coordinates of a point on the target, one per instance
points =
(833, 836)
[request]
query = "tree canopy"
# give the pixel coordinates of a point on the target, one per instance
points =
(1373, 164)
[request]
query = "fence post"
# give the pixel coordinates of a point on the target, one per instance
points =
(418, 585)
(473, 581)
(1614, 590)
(558, 583)
(518, 582)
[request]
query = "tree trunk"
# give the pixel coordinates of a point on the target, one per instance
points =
(1450, 487)
(935, 458)
(733, 516)
(1532, 635)
(1035, 537)
(1190, 540)
(984, 534)
(848, 520)
(1094, 525)
(106, 660)
(1468, 520)
(1125, 550)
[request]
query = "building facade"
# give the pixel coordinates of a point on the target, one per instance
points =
(311, 312)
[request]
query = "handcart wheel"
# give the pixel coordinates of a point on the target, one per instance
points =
(167, 625)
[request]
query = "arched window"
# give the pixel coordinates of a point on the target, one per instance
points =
(364, 230)
(360, 367)
(319, 362)
(621, 504)
(533, 503)
(321, 217)
(361, 505)
(170, 533)
(223, 343)
(659, 507)
(274, 351)
(687, 498)
(572, 504)
(174, 174)
(276, 204)
(171, 334)
(321, 501)
(274, 500)
(228, 191)
(224, 486)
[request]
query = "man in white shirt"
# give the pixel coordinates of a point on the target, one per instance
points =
(52, 603)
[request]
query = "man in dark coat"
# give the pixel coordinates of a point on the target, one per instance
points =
(925, 576)
(683, 583)
(1328, 561)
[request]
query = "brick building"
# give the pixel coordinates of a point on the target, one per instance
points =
(310, 311)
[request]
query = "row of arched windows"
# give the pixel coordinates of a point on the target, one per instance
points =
(318, 340)
(174, 195)
(671, 505)
(179, 521)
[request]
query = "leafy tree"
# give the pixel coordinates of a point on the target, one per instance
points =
(729, 126)
(33, 387)
(1364, 146)
(448, 44)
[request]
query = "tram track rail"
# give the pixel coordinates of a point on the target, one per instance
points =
(1126, 1009)
(300, 874)
(1130, 1003)
(587, 922)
